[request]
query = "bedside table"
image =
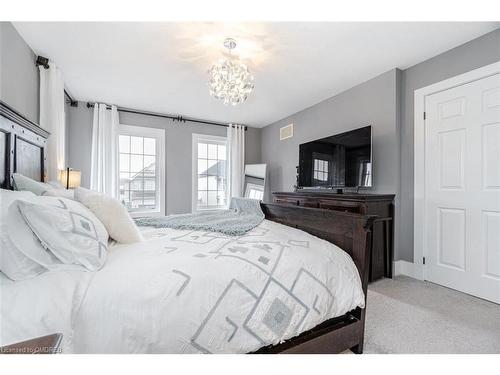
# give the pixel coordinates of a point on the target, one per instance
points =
(41, 345)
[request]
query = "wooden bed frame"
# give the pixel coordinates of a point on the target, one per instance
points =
(22, 150)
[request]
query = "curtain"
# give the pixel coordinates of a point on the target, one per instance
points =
(52, 118)
(104, 176)
(235, 160)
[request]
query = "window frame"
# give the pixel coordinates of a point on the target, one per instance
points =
(159, 136)
(194, 168)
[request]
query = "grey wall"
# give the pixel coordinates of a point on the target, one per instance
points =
(472, 55)
(386, 102)
(371, 103)
(178, 153)
(19, 77)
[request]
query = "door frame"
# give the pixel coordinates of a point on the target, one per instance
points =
(419, 198)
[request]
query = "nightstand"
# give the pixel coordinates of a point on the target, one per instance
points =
(41, 345)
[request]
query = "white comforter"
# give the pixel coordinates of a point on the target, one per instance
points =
(188, 292)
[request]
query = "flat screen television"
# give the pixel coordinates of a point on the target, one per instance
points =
(339, 161)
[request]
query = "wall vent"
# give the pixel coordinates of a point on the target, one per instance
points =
(286, 132)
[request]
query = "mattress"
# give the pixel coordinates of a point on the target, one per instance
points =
(190, 292)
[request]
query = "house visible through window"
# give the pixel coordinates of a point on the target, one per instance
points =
(141, 167)
(320, 170)
(209, 172)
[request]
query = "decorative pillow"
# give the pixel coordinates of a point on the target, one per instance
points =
(55, 184)
(23, 183)
(13, 263)
(112, 214)
(22, 255)
(72, 237)
(61, 193)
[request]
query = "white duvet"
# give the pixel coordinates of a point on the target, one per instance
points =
(188, 292)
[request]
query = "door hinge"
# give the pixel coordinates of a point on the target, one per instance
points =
(423, 260)
(425, 115)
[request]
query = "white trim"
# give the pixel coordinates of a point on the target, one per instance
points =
(419, 154)
(402, 267)
(194, 165)
(159, 135)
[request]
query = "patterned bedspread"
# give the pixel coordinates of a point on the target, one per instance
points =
(203, 292)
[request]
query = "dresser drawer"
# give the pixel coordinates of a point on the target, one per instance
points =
(314, 203)
(343, 206)
(292, 201)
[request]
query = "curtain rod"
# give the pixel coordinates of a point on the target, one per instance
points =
(171, 117)
(71, 102)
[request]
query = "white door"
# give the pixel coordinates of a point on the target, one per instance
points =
(462, 188)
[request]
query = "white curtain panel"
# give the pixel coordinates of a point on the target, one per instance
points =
(235, 160)
(52, 118)
(104, 175)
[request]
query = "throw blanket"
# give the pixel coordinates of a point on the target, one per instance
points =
(243, 215)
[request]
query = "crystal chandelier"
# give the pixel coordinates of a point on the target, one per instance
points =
(229, 79)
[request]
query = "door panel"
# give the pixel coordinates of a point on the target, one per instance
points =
(462, 188)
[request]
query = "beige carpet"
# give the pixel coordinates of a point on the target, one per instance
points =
(405, 315)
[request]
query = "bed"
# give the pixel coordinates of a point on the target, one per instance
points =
(274, 290)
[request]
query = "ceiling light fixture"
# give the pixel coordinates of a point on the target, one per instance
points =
(229, 79)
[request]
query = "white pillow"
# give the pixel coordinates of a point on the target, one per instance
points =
(72, 235)
(51, 188)
(112, 214)
(22, 255)
(13, 263)
(61, 193)
(23, 183)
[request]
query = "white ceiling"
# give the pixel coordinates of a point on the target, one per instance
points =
(162, 67)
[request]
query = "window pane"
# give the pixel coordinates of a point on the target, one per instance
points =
(212, 183)
(221, 152)
(124, 143)
(212, 198)
(149, 146)
(221, 184)
(202, 166)
(212, 151)
(149, 162)
(124, 162)
(221, 168)
(202, 183)
(136, 145)
(202, 198)
(212, 167)
(202, 151)
(136, 163)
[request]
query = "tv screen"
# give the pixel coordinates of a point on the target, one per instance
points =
(342, 160)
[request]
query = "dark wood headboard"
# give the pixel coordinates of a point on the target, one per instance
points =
(22, 147)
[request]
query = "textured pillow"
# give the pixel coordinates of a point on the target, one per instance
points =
(13, 263)
(61, 193)
(112, 214)
(23, 183)
(22, 255)
(72, 236)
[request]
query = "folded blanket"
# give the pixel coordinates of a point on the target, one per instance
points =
(243, 215)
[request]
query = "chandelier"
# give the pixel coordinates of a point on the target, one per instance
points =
(229, 79)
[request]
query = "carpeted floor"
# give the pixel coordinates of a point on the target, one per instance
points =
(405, 315)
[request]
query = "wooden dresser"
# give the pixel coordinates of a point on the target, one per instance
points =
(371, 204)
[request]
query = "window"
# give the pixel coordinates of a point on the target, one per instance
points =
(209, 172)
(254, 191)
(320, 170)
(142, 169)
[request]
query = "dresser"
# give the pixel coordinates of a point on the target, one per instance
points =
(368, 204)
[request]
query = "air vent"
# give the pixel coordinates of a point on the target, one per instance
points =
(286, 132)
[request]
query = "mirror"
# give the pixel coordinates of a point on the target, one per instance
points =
(255, 181)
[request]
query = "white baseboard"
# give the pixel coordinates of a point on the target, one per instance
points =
(402, 267)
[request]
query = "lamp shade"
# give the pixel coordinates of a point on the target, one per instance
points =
(70, 178)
